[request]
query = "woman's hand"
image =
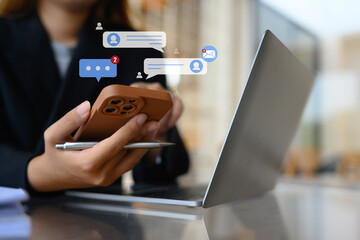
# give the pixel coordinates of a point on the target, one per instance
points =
(169, 120)
(100, 165)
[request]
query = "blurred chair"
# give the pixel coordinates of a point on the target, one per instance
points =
(349, 166)
(303, 160)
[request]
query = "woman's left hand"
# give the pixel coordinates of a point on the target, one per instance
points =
(170, 118)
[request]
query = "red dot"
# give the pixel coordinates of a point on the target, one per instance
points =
(115, 59)
(204, 50)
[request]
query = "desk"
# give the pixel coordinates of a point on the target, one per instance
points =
(291, 211)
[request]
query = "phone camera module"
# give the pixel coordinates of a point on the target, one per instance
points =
(116, 101)
(127, 107)
(110, 110)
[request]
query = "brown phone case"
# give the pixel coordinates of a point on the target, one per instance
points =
(117, 104)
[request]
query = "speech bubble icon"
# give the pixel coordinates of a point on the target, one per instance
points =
(135, 39)
(174, 66)
(97, 68)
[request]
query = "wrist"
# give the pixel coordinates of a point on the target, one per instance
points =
(40, 175)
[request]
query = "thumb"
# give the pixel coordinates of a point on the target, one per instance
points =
(61, 129)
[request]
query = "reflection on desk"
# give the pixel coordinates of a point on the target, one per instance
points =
(14, 224)
(291, 211)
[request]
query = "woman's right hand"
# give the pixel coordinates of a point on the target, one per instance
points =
(100, 165)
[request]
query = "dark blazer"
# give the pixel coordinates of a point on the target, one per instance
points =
(33, 96)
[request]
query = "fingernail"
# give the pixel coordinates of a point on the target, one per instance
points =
(141, 119)
(83, 109)
(153, 129)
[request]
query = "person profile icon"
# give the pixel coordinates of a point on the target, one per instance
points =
(113, 39)
(196, 66)
(139, 75)
(98, 26)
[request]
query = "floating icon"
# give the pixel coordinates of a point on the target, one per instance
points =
(97, 68)
(209, 53)
(113, 39)
(98, 26)
(135, 39)
(139, 75)
(196, 66)
(114, 59)
(174, 66)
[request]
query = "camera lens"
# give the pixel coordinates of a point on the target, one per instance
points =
(128, 107)
(123, 112)
(110, 110)
(116, 101)
(132, 100)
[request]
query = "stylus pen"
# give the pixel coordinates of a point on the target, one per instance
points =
(85, 145)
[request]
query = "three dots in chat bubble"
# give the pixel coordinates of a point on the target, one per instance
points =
(152, 66)
(98, 68)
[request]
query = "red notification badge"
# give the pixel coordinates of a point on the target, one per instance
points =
(115, 59)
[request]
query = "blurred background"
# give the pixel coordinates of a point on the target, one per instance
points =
(325, 36)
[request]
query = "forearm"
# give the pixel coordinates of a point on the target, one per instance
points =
(13, 165)
(45, 178)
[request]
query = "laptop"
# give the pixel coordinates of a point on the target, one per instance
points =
(261, 131)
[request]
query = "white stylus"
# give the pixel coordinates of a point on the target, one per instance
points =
(85, 145)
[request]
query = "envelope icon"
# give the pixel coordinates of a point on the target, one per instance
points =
(209, 54)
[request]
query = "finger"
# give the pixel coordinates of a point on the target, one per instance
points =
(126, 159)
(164, 122)
(60, 130)
(152, 86)
(139, 85)
(133, 129)
(149, 128)
(156, 86)
(130, 160)
(109, 166)
(176, 112)
(116, 142)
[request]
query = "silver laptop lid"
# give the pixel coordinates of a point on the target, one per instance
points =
(263, 125)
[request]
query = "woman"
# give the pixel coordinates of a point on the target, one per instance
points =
(43, 99)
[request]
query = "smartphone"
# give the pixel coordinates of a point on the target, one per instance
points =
(117, 104)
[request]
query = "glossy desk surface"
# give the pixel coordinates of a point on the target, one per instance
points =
(291, 211)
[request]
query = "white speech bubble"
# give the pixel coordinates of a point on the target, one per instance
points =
(156, 40)
(174, 66)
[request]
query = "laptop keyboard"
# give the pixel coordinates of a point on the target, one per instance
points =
(178, 193)
(164, 192)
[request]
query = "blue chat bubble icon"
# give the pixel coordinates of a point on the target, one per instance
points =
(135, 39)
(97, 68)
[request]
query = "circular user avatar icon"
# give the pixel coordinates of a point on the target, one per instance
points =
(113, 39)
(196, 66)
(209, 53)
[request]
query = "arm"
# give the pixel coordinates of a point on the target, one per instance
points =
(14, 157)
(13, 164)
(56, 170)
